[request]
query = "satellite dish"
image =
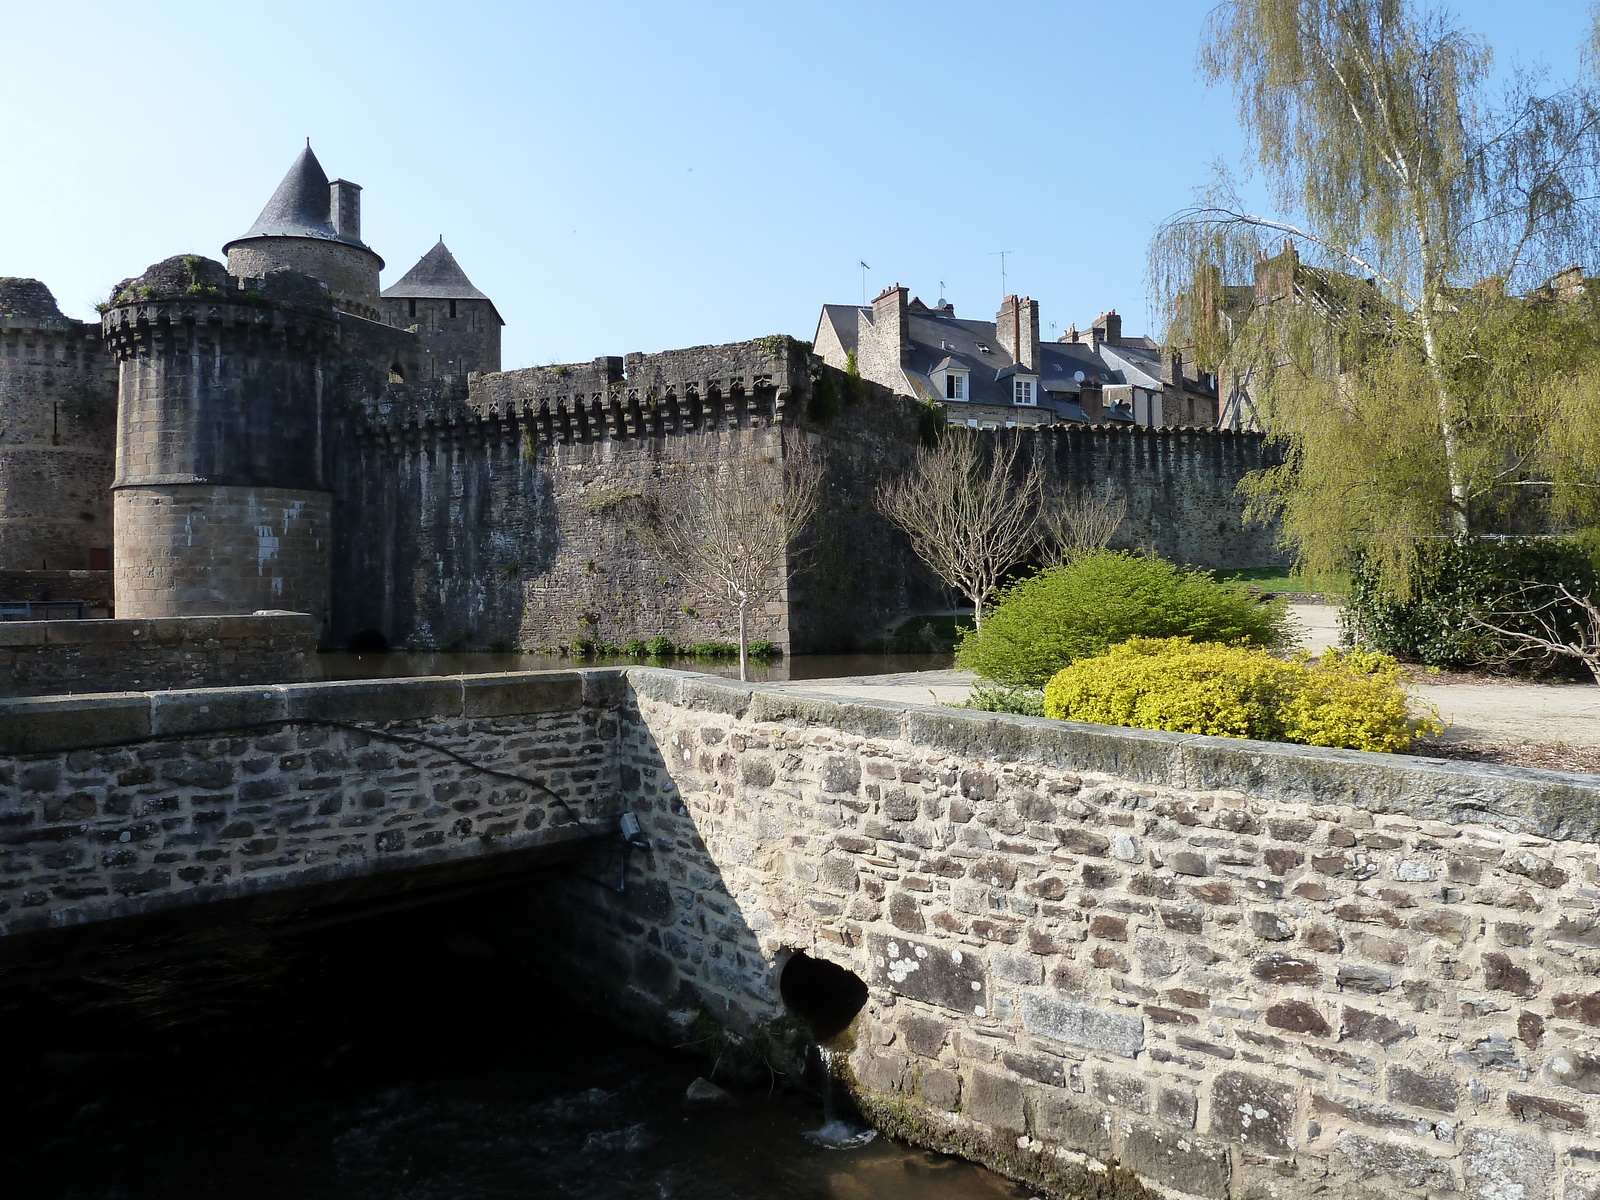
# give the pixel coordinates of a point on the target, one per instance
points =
(1077, 376)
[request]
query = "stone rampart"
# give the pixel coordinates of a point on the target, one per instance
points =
(1234, 968)
(40, 658)
(145, 803)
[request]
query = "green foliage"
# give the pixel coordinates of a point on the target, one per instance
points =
(611, 500)
(608, 650)
(1020, 701)
(936, 633)
(851, 367)
(1043, 623)
(636, 648)
(580, 648)
(1419, 347)
(1279, 580)
(1496, 579)
(764, 650)
(1351, 700)
(660, 646)
(711, 650)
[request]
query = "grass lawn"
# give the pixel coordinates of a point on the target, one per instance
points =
(1281, 579)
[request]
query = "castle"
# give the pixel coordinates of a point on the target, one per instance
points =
(278, 433)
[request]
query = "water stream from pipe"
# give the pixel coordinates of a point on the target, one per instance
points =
(836, 1133)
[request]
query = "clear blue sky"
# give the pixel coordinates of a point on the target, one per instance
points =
(636, 176)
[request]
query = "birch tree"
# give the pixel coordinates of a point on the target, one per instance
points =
(968, 514)
(1419, 376)
(729, 531)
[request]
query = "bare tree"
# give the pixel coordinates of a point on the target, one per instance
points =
(1079, 522)
(728, 531)
(968, 515)
(1578, 636)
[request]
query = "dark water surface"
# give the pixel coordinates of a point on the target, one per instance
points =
(801, 666)
(400, 1056)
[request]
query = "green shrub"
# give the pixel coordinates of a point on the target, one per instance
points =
(608, 650)
(580, 647)
(762, 650)
(1056, 617)
(660, 646)
(1352, 700)
(1492, 578)
(636, 648)
(712, 650)
(1021, 701)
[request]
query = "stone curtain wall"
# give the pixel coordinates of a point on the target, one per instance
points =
(510, 516)
(1236, 969)
(220, 794)
(39, 658)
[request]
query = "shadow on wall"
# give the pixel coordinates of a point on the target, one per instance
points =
(1035, 939)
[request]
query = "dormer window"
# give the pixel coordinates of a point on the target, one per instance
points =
(1022, 391)
(955, 386)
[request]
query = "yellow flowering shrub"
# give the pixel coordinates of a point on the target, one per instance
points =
(1352, 699)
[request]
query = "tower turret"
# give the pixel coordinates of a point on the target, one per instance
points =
(459, 325)
(312, 226)
(221, 499)
(57, 423)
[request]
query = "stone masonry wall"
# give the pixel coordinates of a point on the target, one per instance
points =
(140, 803)
(1236, 969)
(57, 426)
(39, 658)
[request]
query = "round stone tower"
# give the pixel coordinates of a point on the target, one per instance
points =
(57, 425)
(312, 226)
(221, 501)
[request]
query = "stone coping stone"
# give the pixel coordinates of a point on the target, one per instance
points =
(157, 629)
(1552, 804)
(50, 724)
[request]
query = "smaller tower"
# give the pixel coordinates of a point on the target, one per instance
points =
(58, 421)
(459, 325)
(312, 226)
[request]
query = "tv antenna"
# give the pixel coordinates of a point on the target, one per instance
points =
(864, 270)
(1001, 254)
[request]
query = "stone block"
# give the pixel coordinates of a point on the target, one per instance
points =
(1544, 1111)
(516, 693)
(924, 1035)
(995, 1100)
(941, 1089)
(1060, 1122)
(1256, 1112)
(1114, 1031)
(205, 709)
(1018, 968)
(1506, 1166)
(1128, 1093)
(1388, 1160)
(1177, 1105)
(39, 724)
(1297, 1016)
(362, 701)
(1572, 1068)
(925, 971)
(1437, 1092)
(1175, 1160)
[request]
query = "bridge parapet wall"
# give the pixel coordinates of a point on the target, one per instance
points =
(1234, 968)
(139, 803)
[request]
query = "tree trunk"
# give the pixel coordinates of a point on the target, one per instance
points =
(744, 650)
(1459, 524)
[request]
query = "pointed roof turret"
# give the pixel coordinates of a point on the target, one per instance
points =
(301, 207)
(437, 276)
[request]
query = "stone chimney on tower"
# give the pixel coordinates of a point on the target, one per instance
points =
(344, 204)
(1017, 329)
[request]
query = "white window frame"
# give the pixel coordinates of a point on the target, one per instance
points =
(1024, 391)
(955, 381)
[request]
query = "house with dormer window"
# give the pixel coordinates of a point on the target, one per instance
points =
(999, 374)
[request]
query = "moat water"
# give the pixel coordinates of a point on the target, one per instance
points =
(801, 666)
(399, 1057)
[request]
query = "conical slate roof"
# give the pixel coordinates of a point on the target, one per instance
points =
(437, 276)
(301, 207)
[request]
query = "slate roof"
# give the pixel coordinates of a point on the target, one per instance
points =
(437, 276)
(301, 207)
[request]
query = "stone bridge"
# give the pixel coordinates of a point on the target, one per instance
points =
(1097, 959)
